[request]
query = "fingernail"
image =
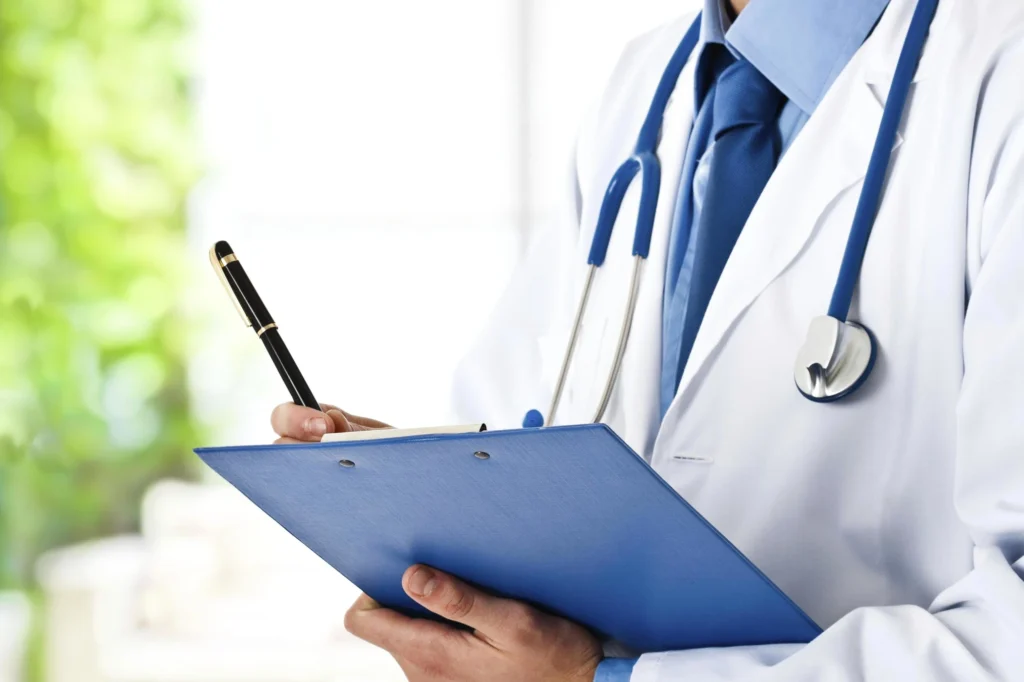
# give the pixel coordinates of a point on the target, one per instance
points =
(317, 426)
(422, 582)
(366, 603)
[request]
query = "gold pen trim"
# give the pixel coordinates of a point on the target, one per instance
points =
(218, 267)
(272, 325)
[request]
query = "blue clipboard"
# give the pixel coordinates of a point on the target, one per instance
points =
(569, 519)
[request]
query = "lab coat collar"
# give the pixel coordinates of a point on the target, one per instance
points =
(886, 42)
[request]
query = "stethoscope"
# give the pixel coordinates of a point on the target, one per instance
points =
(839, 354)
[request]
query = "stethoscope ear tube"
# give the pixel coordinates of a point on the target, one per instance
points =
(646, 164)
(570, 351)
(620, 347)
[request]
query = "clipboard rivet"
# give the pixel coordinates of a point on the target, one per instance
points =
(481, 455)
(347, 463)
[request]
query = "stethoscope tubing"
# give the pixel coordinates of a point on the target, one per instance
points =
(881, 158)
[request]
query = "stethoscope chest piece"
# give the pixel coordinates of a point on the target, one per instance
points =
(835, 360)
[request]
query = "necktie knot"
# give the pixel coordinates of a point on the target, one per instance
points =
(744, 97)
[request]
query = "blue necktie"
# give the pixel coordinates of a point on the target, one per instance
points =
(744, 154)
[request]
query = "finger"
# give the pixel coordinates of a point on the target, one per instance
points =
(301, 423)
(353, 419)
(365, 421)
(365, 603)
(448, 596)
(290, 441)
(343, 422)
(346, 421)
(400, 635)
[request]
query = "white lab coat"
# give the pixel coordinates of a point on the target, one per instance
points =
(895, 518)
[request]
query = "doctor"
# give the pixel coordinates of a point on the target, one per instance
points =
(893, 517)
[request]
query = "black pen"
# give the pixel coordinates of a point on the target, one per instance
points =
(256, 315)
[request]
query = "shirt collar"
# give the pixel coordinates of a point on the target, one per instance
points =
(714, 22)
(801, 46)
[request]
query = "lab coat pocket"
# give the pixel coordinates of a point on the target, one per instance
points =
(682, 464)
(687, 473)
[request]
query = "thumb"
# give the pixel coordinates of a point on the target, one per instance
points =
(457, 601)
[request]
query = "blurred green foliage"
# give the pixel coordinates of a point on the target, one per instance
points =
(96, 158)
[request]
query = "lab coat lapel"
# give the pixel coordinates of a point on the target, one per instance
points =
(830, 155)
(887, 43)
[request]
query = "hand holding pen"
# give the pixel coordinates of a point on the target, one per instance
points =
(306, 420)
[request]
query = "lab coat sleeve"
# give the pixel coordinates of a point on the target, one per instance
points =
(974, 630)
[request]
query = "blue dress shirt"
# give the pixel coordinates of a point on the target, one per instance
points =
(801, 46)
(615, 670)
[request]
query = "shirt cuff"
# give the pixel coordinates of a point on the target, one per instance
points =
(615, 670)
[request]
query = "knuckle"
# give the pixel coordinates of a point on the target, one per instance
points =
(526, 617)
(527, 625)
(283, 420)
(351, 623)
(431, 659)
(276, 421)
(337, 418)
(459, 603)
(433, 668)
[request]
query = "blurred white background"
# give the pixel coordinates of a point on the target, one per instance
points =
(378, 168)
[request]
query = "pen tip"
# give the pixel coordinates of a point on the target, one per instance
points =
(222, 250)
